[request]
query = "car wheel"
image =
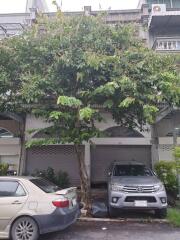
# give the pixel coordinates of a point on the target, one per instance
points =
(113, 212)
(161, 213)
(24, 228)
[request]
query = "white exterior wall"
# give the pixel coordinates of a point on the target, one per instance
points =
(108, 122)
(168, 125)
(165, 148)
(10, 152)
(39, 123)
(34, 123)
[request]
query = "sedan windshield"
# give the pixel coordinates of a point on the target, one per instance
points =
(45, 185)
(131, 170)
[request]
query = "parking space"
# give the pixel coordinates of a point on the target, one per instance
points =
(111, 231)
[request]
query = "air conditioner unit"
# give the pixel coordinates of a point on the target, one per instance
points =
(158, 9)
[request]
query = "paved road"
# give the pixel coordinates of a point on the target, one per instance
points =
(116, 231)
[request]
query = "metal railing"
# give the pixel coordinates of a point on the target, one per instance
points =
(167, 44)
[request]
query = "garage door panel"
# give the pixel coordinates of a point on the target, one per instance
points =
(103, 156)
(58, 157)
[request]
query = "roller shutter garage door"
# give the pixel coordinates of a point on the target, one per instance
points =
(56, 156)
(102, 156)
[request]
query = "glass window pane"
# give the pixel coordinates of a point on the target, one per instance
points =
(5, 133)
(20, 191)
(176, 3)
(8, 188)
(168, 3)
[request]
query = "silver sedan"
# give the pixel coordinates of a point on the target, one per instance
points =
(32, 206)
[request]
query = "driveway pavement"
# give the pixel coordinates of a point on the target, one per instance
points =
(119, 231)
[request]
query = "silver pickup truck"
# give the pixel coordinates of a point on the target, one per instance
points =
(134, 186)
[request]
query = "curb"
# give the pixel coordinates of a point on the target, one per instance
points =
(122, 220)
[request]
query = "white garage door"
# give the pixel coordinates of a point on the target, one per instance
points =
(103, 156)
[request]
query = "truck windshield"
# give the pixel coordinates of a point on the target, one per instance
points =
(131, 170)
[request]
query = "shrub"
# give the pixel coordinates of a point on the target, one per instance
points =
(166, 171)
(60, 178)
(3, 169)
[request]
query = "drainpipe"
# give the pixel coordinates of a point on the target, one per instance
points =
(171, 2)
(22, 157)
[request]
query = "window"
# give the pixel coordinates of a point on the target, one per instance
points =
(5, 133)
(11, 189)
(45, 185)
(167, 2)
(20, 191)
(176, 3)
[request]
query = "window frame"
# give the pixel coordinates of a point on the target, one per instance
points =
(18, 184)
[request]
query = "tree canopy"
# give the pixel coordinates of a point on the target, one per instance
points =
(91, 62)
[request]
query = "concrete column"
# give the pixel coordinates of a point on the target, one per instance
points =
(154, 147)
(87, 156)
(87, 10)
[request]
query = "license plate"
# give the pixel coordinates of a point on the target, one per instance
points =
(140, 203)
(74, 202)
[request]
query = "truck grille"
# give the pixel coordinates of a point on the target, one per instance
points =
(139, 198)
(138, 189)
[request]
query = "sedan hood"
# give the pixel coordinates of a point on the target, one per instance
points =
(133, 181)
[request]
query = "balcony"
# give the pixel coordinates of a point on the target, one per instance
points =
(162, 17)
(167, 44)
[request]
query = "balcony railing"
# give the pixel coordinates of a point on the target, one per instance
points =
(167, 44)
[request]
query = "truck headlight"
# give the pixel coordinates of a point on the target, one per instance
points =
(159, 187)
(116, 187)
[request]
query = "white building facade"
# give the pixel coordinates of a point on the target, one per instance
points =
(150, 146)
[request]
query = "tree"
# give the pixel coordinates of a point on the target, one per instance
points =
(67, 66)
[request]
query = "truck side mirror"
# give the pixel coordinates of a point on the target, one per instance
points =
(109, 174)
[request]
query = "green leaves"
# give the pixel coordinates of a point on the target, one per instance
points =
(69, 101)
(108, 89)
(127, 102)
(150, 113)
(64, 67)
(86, 113)
(58, 115)
(108, 104)
(41, 142)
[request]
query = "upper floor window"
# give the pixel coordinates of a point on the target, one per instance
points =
(167, 2)
(5, 133)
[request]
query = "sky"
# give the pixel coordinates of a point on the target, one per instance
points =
(17, 6)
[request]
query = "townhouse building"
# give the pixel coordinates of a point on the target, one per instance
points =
(158, 22)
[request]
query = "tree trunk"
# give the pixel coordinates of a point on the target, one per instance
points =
(84, 179)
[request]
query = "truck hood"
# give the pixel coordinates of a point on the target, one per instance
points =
(134, 181)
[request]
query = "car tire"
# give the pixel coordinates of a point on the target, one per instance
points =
(24, 228)
(161, 213)
(113, 212)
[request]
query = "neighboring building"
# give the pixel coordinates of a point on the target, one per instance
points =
(161, 19)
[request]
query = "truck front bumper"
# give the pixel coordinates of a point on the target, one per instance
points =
(157, 200)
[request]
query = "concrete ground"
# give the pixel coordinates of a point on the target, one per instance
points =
(119, 231)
